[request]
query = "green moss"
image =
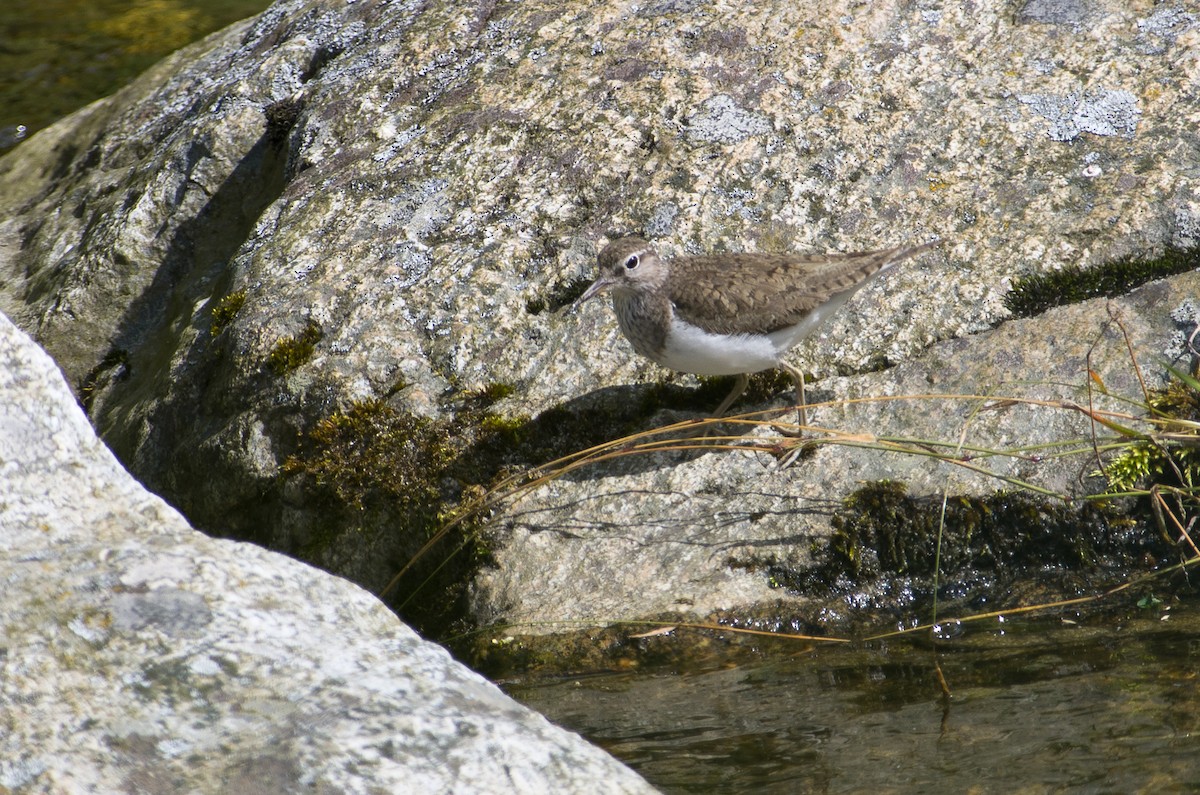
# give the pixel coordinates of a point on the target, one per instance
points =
(226, 310)
(382, 478)
(391, 475)
(291, 352)
(1034, 294)
(372, 453)
(560, 296)
(1137, 463)
(508, 429)
(884, 531)
(885, 545)
(1179, 400)
(1144, 463)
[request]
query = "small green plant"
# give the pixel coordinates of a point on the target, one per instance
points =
(1137, 463)
(226, 310)
(291, 352)
(1170, 455)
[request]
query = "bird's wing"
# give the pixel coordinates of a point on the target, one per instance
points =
(762, 293)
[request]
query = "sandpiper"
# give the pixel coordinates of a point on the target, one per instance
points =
(730, 314)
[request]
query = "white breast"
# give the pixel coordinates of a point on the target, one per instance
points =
(690, 349)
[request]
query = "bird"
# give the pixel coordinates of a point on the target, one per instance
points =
(730, 314)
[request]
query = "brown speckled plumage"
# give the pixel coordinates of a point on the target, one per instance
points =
(753, 293)
(744, 310)
(761, 293)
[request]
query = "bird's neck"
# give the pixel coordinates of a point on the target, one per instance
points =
(645, 319)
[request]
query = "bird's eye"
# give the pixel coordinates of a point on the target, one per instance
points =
(632, 262)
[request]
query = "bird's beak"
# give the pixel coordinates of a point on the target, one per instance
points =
(597, 287)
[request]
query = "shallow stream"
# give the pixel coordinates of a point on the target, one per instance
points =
(1037, 705)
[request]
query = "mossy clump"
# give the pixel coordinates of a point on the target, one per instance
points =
(379, 479)
(404, 480)
(562, 295)
(490, 393)
(883, 531)
(226, 310)
(1034, 294)
(371, 453)
(291, 352)
(1173, 462)
(885, 546)
(1178, 400)
(509, 430)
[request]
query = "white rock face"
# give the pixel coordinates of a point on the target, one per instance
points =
(139, 655)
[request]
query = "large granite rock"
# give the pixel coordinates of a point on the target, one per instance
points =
(400, 196)
(139, 655)
(693, 535)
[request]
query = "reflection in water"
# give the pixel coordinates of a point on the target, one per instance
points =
(1048, 706)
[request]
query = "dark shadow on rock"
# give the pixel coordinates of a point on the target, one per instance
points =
(684, 529)
(129, 395)
(609, 414)
(612, 413)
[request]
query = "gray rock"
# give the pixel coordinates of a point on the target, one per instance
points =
(1057, 12)
(720, 120)
(424, 182)
(1099, 112)
(140, 655)
(693, 534)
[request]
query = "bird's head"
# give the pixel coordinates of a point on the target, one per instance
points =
(627, 265)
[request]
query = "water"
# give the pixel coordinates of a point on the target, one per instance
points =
(58, 55)
(1099, 706)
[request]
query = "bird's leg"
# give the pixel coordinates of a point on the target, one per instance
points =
(801, 414)
(709, 427)
(739, 386)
